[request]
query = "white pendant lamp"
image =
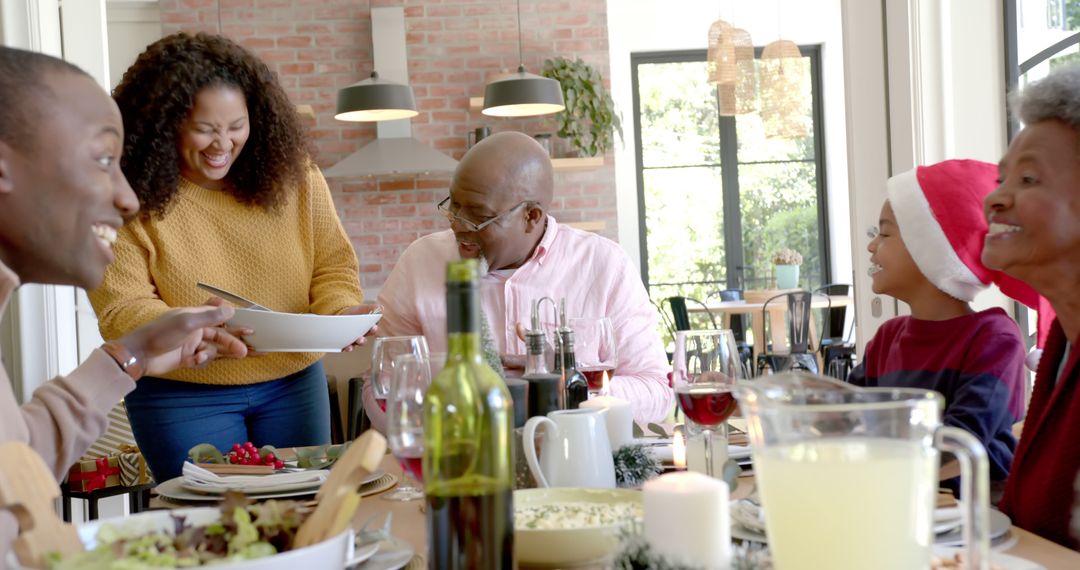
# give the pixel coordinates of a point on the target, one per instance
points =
(375, 99)
(522, 94)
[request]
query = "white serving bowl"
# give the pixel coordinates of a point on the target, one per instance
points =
(291, 332)
(329, 554)
(562, 547)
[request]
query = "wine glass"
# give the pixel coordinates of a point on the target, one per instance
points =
(595, 350)
(706, 366)
(383, 353)
(405, 422)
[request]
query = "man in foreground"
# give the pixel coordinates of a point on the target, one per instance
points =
(62, 199)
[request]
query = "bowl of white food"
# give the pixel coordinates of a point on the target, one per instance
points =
(560, 527)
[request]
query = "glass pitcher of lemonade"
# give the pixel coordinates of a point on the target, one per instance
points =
(848, 476)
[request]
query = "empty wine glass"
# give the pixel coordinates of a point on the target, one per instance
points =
(405, 422)
(383, 353)
(595, 350)
(706, 366)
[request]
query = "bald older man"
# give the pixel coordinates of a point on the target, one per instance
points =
(498, 211)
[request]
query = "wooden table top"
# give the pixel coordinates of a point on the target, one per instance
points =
(410, 525)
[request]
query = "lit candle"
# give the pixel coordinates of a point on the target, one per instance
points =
(687, 520)
(619, 418)
(678, 449)
(603, 382)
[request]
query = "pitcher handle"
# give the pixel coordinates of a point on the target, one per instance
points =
(528, 441)
(975, 490)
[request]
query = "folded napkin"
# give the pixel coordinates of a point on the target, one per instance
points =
(749, 514)
(201, 479)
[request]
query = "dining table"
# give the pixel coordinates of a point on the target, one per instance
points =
(754, 305)
(409, 524)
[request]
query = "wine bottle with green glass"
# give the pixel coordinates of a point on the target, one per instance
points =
(468, 426)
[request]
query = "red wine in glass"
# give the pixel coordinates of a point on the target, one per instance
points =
(707, 403)
(412, 462)
(382, 404)
(594, 375)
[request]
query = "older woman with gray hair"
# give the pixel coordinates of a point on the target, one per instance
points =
(1034, 235)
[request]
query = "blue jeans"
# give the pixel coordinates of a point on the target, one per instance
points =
(169, 417)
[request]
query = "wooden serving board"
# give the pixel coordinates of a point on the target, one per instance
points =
(28, 489)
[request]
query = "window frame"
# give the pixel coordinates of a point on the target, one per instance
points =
(729, 167)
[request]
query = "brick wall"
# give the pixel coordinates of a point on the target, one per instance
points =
(454, 46)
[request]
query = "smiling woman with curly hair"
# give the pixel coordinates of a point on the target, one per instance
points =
(156, 96)
(218, 158)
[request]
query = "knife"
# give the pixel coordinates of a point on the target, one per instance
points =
(232, 297)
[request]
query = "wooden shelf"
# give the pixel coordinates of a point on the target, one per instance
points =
(580, 163)
(476, 103)
(306, 111)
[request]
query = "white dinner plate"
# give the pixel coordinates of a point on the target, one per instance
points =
(309, 486)
(363, 553)
(999, 526)
(393, 554)
(174, 489)
(1002, 561)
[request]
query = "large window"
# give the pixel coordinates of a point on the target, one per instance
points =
(717, 198)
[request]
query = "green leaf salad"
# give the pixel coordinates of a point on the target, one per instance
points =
(245, 531)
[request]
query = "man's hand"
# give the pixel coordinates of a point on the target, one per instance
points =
(365, 309)
(184, 338)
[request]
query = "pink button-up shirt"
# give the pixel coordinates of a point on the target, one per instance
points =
(591, 272)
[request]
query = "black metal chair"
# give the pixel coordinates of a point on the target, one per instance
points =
(356, 419)
(837, 350)
(739, 324)
(680, 314)
(798, 354)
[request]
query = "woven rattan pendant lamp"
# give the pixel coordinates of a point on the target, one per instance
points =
(522, 94)
(730, 65)
(785, 94)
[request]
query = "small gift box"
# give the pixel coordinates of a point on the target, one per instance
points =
(132, 466)
(93, 474)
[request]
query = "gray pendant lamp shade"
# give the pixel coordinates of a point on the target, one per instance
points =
(375, 99)
(522, 94)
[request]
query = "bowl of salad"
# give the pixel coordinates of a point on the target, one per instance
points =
(236, 536)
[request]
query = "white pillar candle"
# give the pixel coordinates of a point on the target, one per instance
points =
(687, 520)
(619, 418)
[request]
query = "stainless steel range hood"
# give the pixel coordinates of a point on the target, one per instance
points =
(394, 150)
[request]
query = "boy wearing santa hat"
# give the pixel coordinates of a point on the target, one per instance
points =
(926, 253)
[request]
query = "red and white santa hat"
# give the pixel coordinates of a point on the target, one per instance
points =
(939, 209)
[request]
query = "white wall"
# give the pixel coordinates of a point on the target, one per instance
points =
(132, 25)
(659, 25)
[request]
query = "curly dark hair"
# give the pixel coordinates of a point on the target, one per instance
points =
(156, 96)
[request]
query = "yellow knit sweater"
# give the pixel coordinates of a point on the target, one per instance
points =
(297, 259)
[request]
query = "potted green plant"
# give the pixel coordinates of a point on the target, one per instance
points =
(589, 118)
(787, 262)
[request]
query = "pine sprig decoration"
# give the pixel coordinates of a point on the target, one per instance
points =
(634, 465)
(635, 554)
